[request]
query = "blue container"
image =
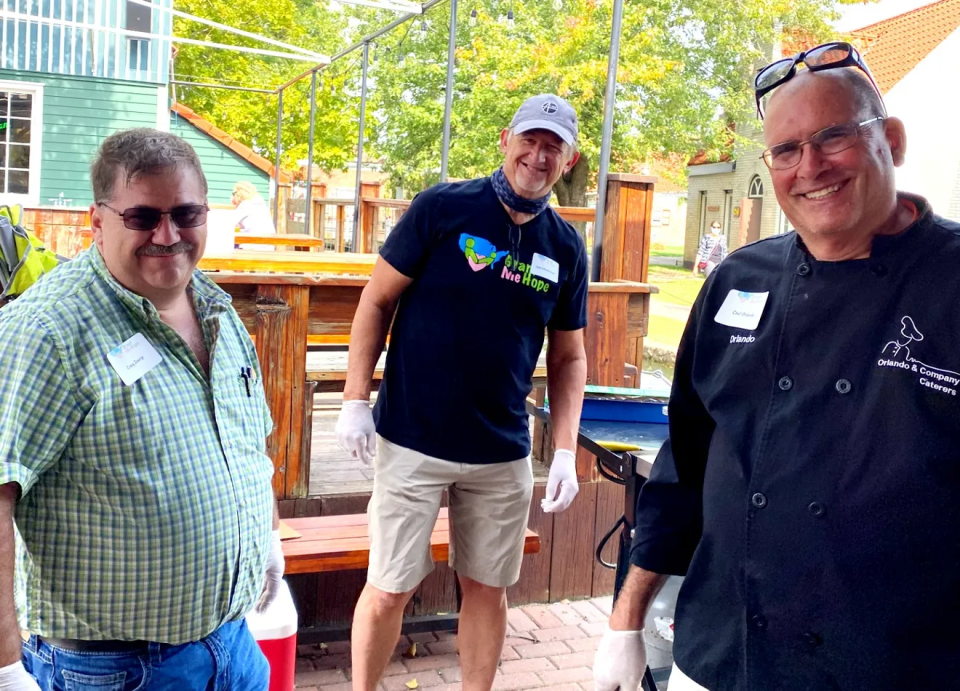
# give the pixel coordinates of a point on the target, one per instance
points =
(624, 410)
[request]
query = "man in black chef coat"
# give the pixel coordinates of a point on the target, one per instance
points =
(810, 488)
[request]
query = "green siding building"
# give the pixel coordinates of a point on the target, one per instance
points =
(223, 166)
(65, 87)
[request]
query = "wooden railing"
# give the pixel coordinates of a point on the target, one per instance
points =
(67, 231)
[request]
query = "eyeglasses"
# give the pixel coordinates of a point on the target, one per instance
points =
(829, 56)
(830, 140)
(148, 218)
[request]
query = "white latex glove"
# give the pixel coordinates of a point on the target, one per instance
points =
(15, 678)
(563, 476)
(356, 432)
(620, 661)
(274, 574)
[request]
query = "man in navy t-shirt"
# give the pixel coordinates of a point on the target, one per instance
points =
(473, 276)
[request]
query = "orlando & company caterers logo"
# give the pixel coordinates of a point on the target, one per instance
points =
(898, 355)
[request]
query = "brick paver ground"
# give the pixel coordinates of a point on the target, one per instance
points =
(547, 647)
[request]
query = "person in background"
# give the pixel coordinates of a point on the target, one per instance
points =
(712, 250)
(252, 215)
(136, 505)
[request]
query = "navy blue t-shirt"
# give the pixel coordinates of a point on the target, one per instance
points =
(469, 329)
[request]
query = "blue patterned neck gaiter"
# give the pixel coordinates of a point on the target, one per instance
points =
(520, 204)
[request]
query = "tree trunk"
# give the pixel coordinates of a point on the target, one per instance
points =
(571, 190)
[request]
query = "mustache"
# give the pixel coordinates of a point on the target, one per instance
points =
(152, 250)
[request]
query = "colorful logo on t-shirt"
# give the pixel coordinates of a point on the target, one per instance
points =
(480, 253)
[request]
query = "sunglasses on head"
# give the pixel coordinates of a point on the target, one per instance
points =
(148, 218)
(828, 56)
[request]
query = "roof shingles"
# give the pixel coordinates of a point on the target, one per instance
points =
(893, 47)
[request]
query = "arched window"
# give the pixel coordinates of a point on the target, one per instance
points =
(756, 188)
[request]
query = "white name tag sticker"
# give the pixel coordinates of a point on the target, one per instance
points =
(134, 358)
(742, 310)
(545, 267)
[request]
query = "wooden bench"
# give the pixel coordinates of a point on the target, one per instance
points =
(342, 543)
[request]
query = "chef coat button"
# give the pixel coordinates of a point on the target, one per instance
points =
(879, 270)
(803, 269)
(758, 500)
(816, 509)
(758, 621)
(785, 383)
(812, 640)
(843, 386)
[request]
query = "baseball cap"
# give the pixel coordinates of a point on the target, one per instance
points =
(547, 112)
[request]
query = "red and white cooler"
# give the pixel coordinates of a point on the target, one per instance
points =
(276, 633)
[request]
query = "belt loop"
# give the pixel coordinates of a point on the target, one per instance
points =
(154, 654)
(31, 644)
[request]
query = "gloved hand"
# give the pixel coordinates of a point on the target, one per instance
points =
(563, 476)
(620, 661)
(356, 432)
(274, 575)
(15, 678)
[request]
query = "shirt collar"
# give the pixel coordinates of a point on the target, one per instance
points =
(208, 297)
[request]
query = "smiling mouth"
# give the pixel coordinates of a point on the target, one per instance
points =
(825, 192)
(529, 167)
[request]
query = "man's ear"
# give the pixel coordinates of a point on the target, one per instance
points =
(96, 224)
(896, 135)
(504, 137)
(572, 162)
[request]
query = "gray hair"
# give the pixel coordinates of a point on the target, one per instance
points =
(137, 152)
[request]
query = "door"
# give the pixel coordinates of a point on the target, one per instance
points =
(750, 212)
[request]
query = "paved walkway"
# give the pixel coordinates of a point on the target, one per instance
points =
(547, 647)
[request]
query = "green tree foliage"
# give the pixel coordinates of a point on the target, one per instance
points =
(684, 76)
(252, 117)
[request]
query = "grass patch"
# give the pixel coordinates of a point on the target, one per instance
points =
(667, 252)
(679, 292)
(665, 330)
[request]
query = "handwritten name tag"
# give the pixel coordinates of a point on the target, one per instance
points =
(545, 267)
(742, 310)
(134, 358)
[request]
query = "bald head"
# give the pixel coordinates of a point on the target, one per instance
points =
(847, 83)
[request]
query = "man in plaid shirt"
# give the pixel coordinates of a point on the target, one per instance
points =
(135, 492)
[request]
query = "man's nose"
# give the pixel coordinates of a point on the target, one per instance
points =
(812, 162)
(166, 233)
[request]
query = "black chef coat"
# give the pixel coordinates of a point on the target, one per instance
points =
(810, 488)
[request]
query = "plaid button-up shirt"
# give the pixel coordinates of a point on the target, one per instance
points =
(146, 510)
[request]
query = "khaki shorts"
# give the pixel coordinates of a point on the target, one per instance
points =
(489, 506)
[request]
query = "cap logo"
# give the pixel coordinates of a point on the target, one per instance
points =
(549, 108)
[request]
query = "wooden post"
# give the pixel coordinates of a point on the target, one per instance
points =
(341, 221)
(318, 191)
(626, 239)
(281, 341)
(368, 216)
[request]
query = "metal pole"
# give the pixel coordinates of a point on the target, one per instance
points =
(177, 82)
(313, 115)
(367, 39)
(363, 108)
(608, 103)
(448, 104)
(276, 164)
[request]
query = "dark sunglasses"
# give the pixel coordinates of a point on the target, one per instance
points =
(828, 141)
(829, 56)
(148, 218)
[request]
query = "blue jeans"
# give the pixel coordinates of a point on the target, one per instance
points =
(226, 660)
